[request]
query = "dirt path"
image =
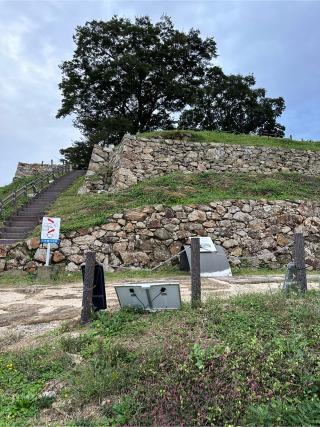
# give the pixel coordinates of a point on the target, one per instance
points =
(36, 309)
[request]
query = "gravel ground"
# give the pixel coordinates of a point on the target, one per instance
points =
(34, 310)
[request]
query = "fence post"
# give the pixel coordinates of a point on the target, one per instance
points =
(299, 260)
(87, 287)
(195, 272)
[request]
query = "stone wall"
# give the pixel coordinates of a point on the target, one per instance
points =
(30, 169)
(136, 159)
(253, 233)
(100, 169)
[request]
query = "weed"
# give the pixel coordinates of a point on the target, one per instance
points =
(248, 360)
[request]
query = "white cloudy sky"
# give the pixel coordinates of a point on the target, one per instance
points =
(277, 41)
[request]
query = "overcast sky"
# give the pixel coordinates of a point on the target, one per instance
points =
(277, 41)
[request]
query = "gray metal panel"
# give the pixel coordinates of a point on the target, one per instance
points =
(149, 296)
(136, 299)
(212, 264)
(170, 298)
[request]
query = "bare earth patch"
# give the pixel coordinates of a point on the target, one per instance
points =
(33, 310)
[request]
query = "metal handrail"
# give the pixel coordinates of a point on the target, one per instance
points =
(36, 185)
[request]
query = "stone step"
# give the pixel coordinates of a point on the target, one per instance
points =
(23, 218)
(15, 229)
(31, 212)
(8, 241)
(9, 235)
(29, 216)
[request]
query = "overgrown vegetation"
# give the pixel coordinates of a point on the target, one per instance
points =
(248, 360)
(82, 211)
(233, 138)
(10, 188)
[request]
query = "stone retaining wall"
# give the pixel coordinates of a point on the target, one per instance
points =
(136, 159)
(253, 233)
(31, 169)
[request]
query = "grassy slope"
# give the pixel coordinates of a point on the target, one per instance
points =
(81, 211)
(7, 189)
(239, 139)
(248, 360)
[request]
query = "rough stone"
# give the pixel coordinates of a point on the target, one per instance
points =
(77, 259)
(33, 243)
(84, 240)
(162, 234)
(197, 215)
(135, 215)
(230, 243)
(30, 267)
(242, 216)
(58, 256)
(283, 240)
(113, 226)
(3, 251)
(40, 255)
(140, 258)
(72, 267)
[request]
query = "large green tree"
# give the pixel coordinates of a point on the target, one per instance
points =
(231, 103)
(137, 76)
(131, 76)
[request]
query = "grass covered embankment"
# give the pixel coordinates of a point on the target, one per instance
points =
(233, 138)
(10, 188)
(86, 210)
(249, 360)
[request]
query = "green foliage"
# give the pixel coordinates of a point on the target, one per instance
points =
(79, 154)
(247, 360)
(10, 188)
(139, 76)
(86, 210)
(291, 412)
(14, 185)
(230, 103)
(22, 378)
(131, 76)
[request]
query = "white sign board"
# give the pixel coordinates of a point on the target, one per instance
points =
(206, 244)
(50, 231)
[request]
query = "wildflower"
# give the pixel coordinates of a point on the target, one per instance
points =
(10, 366)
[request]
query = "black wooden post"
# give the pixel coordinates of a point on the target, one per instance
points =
(195, 272)
(299, 260)
(88, 287)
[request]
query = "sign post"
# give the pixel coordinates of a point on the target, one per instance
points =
(50, 233)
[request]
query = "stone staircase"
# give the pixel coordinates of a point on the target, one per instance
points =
(28, 216)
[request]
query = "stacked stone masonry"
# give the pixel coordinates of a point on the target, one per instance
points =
(253, 233)
(136, 159)
(32, 169)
